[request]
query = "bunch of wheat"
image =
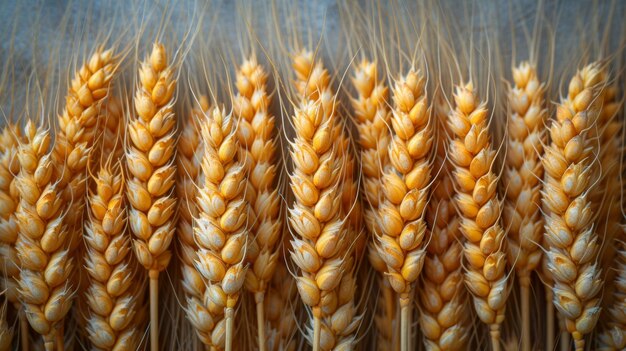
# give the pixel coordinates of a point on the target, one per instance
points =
(256, 131)
(220, 228)
(479, 208)
(150, 157)
(444, 320)
(569, 233)
(522, 215)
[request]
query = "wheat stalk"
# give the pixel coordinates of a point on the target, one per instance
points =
(523, 171)
(45, 286)
(220, 228)
(405, 186)
(569, 232)
(112, 295)
(443, 319)
(150, 157)
(478, 208)
(257, 133)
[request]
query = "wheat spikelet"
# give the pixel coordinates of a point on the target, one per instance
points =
(443, 319)
(256, 132)
(479, 208)
(152, 173)
(9, 198)
(113, 294)
(220, 229)
(521, 214)
(43, 243)
(572, 242)
(405, 187)
(613, 337)
(77, 132)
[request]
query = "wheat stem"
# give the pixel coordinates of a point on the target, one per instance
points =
(24, 340)
(405, 311)
(317, 328)
(524, 296)
(259, 298)
(230, 327)
(154, 309)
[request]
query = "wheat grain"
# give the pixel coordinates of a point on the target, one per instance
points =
(257, 132)
(220, 229)
(569, 232)
(42, 244)
(479, 208)
(521, 215)
(406, 188)
(152, 173)
(443, 319)
(112, 297)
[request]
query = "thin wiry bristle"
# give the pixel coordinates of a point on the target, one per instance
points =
(572, 242)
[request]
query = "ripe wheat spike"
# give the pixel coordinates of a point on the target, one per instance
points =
(257, 140)
(189, 159)
(371, 116)
(569, 232)
(150, 155)
(113, 295)
(220, 228)
(315, 180)
(77, 133)
(444, 320)
(405, 185)
(9, 198)
(479, 208)
(43, 242)
(522, 180)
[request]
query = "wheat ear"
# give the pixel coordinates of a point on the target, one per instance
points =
(77, 132)
(371, 116)
(572, 243)
(45, 286)
(405, 186)
(220, 229)
(257, 135)
(613, 336)
(479, 208)
(152, 173)
(112, 296)
(314, 217)
(189, 159)
(444, 318)
(523, 171)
